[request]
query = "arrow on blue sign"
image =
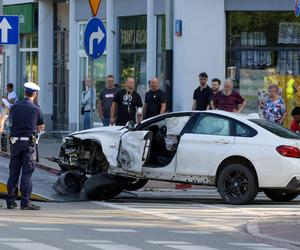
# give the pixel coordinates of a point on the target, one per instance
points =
(4, 26)
(9, 27)
(95, 38)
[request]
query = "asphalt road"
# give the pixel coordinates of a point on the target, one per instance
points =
(196, 220)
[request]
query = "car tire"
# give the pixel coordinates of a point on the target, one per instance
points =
(237, 184)
(136, 185)
(281, 195)
(102, 187)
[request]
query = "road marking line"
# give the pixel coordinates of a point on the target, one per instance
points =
(113, 247)
(189, 232)
(14, 240)
(113, 230)
(161, 242)
(250, 244)
(31, 246)
(268, 248)
(91, 241)
(159, 214)
(40, 229)
(188, 247)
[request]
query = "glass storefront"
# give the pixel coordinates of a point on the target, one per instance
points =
(263, 48)
(133, 45)
(161, 48)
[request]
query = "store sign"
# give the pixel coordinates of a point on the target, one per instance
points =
(297, 8)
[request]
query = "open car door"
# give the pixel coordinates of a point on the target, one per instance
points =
(134, 150)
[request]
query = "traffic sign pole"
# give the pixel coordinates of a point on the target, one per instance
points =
(92, 111)
(94, 44)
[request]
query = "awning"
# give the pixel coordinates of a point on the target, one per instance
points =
(28, 14)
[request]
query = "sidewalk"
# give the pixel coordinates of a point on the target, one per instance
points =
(285, 230)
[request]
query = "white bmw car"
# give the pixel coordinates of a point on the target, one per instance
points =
(238, 154)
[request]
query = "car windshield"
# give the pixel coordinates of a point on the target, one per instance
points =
(276, 129)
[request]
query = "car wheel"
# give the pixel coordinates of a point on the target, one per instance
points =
(136, 185)
(281, 195)
(102, 187)
(237, 184)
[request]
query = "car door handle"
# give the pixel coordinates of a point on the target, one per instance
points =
(222, 141)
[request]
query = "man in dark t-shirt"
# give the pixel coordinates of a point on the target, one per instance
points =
(127, 105)
(228, 100)
(106, 98)
(155, 100)
(203, 94)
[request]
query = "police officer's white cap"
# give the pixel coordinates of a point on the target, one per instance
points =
(31, 87)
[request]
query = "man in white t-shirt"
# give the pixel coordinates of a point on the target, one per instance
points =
(11, 95)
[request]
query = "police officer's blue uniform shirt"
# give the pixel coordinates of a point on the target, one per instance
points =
(25, 116)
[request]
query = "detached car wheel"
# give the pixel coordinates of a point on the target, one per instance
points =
(281, 195)
(237, 184)
(102, 187)
(136, 185)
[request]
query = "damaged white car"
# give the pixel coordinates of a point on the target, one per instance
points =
(238, 154)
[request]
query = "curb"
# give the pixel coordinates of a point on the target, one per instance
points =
(252, 228)
(37, 164)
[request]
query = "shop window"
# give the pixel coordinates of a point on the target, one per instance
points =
(133, 45)
(28, 59)
(263, 48)
(161, 48)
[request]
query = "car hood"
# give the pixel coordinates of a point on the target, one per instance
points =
(95, 131)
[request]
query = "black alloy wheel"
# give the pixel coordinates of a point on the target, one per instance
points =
(136, 185)
(237, 184)
(281, 195)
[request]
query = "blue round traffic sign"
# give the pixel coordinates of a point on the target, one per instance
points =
(95, 38)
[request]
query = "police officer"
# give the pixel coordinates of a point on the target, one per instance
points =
(26, 122)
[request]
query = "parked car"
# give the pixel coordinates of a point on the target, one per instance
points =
(238, 154)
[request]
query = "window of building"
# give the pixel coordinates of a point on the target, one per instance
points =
(263, 48)
(29, 58)
(161, 48)
(85, 69)
(133, 45)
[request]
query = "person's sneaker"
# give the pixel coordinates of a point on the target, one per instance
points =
(12, 205)
(31, 207)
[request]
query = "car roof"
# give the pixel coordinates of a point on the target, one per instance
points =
(237, 116)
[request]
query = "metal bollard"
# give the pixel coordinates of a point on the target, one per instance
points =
(4, 143)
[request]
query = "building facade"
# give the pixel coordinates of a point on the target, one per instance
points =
(253, 42)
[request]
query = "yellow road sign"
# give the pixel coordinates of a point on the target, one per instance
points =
(95, 4)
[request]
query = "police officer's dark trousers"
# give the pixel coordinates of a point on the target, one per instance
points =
(21, 162)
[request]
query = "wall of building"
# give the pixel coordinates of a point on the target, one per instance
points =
(200, 49)
(45, 57)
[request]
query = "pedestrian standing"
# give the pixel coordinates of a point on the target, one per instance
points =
(11, 94)
(274, 107)
(127, 105)
(203, 94)
(295, 123)
(86, 103)
(155, 100)
(215, 85)
(26, 122)
(228, 99)
(106, 98)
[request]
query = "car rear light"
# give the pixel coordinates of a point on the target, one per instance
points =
(289, 151)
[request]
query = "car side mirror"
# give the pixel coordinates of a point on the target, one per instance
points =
(130, 125)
